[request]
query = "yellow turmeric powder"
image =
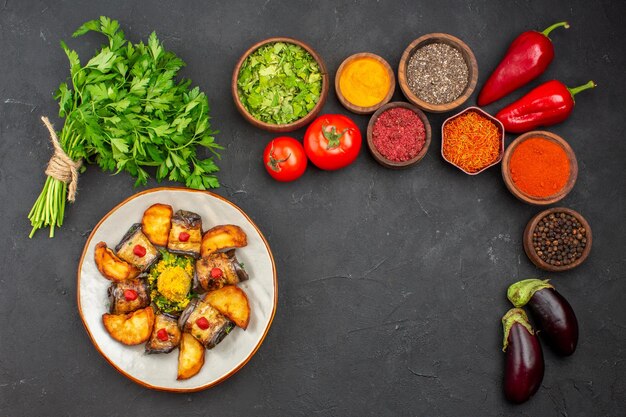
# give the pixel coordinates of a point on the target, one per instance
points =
(364, 82)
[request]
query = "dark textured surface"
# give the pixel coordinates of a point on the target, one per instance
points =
(391, 284)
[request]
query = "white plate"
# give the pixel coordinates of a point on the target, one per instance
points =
(158, 371)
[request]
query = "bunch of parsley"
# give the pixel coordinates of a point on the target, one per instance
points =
(125, 111)
(279, 83)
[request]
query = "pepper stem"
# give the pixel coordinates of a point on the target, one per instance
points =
(546, 32)
(521, 292)
(514, 315)
(576, 90)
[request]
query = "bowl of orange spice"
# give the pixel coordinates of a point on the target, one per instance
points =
(472, 140)
(539, 168)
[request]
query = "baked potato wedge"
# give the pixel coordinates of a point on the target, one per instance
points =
(156, 223)
(130, 329)
(112, 267)
(232, 302)
(219, 238)
(190, 357)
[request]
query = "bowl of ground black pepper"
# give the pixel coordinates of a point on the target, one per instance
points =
(539, 168)
(398, 135)
(437, 72)
(557, 239)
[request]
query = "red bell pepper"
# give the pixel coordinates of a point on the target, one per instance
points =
(548, 104)
(527, 58)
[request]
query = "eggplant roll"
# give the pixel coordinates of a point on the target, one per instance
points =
(165, 335)
(232, 272)
(204, 323)
(185, 234)
(128, 296)
(136, 249)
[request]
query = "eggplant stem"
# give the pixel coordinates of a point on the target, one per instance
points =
(521, 292)
(549, 29)
(514, 315)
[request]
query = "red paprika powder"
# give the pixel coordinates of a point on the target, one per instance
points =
(539, 167)
(399, 134)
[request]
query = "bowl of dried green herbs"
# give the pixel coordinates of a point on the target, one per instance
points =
(280, 84)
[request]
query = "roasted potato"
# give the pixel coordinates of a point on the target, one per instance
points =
(111, 266)
(156, 223)
(190, 357)
(226, 236)
(130, 329)
(232, 302)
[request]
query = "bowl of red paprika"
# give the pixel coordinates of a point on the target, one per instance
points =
(398, 135)
(539, 168)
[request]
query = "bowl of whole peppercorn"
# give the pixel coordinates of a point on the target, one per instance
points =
(557, 239)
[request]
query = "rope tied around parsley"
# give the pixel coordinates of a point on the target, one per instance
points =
(60, 166)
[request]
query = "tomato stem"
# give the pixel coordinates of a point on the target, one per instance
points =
(333, 137)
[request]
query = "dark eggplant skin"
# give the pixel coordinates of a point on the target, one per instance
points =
(232, 271)
(170, 324)
(554, 317)
(524, 366)
(117, 301)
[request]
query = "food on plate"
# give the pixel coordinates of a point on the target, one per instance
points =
(472, 141)
(232, 302)
(156, 223)
(132, 328)
(437, 73)
(128, 296)
(111, 266)
(279, 83)
(165, 335)
(332, 141)
(284, 159)
(136, 249)
(185, 234)
(399, 134)
(205, 323)
(170, 282)
(127, 109)
(365, 81)
(218, 269)
(552, 314)
(223, 237)
(547, 104)
(524, 358)
(158, 295)
(190, 357)
(527, 58)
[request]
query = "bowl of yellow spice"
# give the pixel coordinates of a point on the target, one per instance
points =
(364, 82)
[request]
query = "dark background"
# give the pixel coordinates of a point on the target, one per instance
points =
(391, 284)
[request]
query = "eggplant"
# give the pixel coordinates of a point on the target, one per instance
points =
(165, 335)
(216, 325)
(186, 234)
(524, 366)
(232, 271)
(552, 314)
(123, 302)
(127, 251)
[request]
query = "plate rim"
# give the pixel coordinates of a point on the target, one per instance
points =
(91, 337)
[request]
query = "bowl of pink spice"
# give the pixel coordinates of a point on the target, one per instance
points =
(398, 135)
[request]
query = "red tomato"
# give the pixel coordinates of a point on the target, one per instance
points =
(139, 251)
(284, 159)
(332, 141)
(130, 295)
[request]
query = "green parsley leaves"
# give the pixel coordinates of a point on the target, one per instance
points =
(279, 83)
(125, 111)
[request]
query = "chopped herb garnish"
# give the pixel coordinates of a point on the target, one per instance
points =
(279, 83)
